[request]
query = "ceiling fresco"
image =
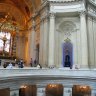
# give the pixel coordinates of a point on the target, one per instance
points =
(20, 11)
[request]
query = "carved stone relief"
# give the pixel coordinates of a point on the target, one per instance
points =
(67, 27)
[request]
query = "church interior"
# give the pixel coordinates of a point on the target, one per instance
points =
(44, 44)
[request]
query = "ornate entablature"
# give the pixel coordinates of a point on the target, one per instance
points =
(57, 5)
(66, 5)
(62, 0)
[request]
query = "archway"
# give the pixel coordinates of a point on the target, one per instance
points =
(5, 92)
(54, 90)
(81, 90)
(28, 90)
(67, 59)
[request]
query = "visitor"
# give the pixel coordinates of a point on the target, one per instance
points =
(0, 62)
(21, 63)
(35, 63)
(39, 66)
(4, 65)
(15, 61)
(31, 62)
(10, 66)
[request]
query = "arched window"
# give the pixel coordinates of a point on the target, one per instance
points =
(67, 59)
(5, 42)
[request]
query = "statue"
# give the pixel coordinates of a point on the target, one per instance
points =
(67, 59)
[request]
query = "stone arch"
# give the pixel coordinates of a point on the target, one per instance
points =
(52, 90)
(67, 27)
(67, 54)
(81, 90)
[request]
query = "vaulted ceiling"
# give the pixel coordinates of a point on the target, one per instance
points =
(20, 10)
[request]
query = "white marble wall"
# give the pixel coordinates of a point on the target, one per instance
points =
(80, 37)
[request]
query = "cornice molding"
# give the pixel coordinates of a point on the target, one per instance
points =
(63, 1)
(90, 14)
(47, 3)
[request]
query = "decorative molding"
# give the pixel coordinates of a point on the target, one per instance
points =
(44, 17)
(82, 13)
(52, 15)
(93, 3)
(91, 9)
(63, 1)
(67, 40)
(48, 3)
(67, 27)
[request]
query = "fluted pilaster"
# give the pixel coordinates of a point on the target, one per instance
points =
(51, 40)
(84, 42)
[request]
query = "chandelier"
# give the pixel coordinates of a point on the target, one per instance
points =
(9, 24)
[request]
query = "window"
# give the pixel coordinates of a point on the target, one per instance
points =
(5, 41)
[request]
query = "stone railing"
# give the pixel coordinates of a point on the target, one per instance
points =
(14, 78)
(45, 72)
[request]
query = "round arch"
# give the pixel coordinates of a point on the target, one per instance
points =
(67, 52)
(54, 90)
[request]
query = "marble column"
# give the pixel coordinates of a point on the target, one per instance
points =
(51, 40)
(45, 42)
(84, 42)
(41, 41)
(67, 91)
(41, 91)
(29, 46)
(93, 92)
(20, 48)
(33, 43)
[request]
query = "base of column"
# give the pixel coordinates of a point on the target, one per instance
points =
(51, 66)
(67, 92)
(84, 67)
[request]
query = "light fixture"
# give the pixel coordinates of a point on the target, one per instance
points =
(9, 24)
(23, 86)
